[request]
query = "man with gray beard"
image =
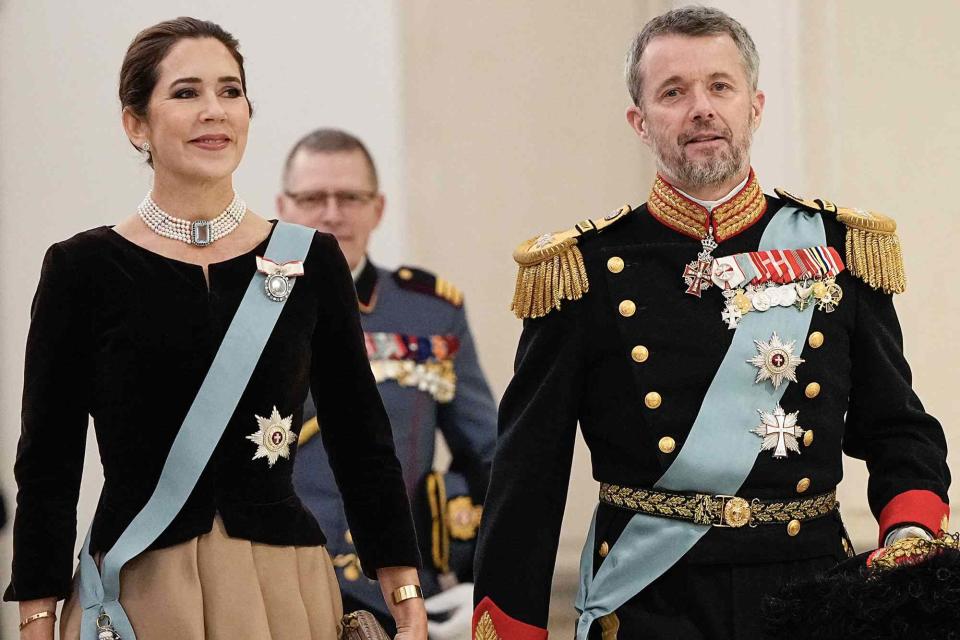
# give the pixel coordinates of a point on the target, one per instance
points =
(719, 348)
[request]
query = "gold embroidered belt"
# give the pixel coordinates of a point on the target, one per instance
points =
(717, 510)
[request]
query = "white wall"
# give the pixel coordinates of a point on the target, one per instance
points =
(65, 165)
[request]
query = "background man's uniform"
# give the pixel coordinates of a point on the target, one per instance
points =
(632, 360)
(423, 357)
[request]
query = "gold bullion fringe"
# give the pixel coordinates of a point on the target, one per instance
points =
(875, 258)
(542, 287)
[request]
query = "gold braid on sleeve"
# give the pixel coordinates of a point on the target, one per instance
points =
(485, 629)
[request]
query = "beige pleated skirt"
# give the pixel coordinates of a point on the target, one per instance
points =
(215, 587)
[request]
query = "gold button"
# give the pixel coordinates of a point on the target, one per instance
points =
(348, 537)
(793, 528)
(812, 390)
(615, 264)
(628, 308)
(351, 573)
(815, 340)
(845, 544)
(405, 274)
(604, 549)
(639, 353)
(808, 437)
(803, 485)
(667, 444)
(652, 400)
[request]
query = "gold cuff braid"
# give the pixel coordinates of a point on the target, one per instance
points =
(485, 629)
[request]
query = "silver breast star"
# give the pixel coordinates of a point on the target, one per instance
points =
(775, 361)
(274, 437)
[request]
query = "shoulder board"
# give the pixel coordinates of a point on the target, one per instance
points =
(872, 246)
(551, 267)
(413, 279)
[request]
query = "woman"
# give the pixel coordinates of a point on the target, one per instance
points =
(126, 323)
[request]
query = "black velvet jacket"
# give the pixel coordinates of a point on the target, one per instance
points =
(127, 336)
(575, 365)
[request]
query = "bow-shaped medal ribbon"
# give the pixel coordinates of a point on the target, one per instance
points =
(278, 284)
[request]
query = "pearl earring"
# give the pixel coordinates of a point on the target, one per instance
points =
(145, 147)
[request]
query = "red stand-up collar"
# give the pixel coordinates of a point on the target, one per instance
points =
(680, 213)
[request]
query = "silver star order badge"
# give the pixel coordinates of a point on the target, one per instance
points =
(775, 361)
(274, 437)
(779, 431)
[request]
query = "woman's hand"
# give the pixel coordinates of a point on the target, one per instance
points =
(410, 615)
(41, 629)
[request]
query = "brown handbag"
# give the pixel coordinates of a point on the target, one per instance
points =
(361, 625)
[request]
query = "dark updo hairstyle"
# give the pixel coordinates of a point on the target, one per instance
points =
(138, 74)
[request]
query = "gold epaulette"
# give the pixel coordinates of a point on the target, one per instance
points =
(552, 269)
(872, 246)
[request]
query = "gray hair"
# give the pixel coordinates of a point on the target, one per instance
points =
(332, 141)
(690, 21)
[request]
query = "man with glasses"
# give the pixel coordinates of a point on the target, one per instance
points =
(424, 360)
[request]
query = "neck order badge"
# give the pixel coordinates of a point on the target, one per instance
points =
(103, 617)
(717, 456)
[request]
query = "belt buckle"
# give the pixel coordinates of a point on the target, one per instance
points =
(734, 512)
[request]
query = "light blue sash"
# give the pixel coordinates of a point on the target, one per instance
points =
(194, 444)
(716, 457)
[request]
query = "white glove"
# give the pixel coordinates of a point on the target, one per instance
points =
(910, 531)
(456, 601)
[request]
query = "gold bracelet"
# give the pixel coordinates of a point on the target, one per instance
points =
(406, 592)
(37, 616)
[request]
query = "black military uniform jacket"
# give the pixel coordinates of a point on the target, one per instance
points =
(126, 336)
(631, 361)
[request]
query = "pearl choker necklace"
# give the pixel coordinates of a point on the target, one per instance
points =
(196, 232)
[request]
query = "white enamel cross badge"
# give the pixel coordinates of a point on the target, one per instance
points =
(779, 431)
(274, 437)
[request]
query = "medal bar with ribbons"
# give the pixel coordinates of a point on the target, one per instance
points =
(759, 280)
(397, 346)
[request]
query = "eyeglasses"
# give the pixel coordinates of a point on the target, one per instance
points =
(347, 200)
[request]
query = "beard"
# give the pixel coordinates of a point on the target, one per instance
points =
(713, 169)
